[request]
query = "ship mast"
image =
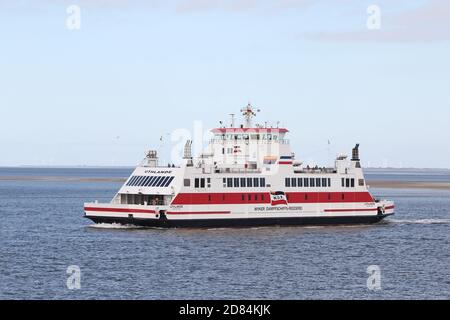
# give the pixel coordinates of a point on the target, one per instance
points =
(248, 114)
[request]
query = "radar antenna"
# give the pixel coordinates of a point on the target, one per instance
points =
(248, 112)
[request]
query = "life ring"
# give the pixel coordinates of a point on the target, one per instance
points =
(157, 216)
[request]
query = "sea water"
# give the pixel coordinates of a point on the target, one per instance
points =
(43, 233)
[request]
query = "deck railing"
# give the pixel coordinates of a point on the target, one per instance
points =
(280, 141)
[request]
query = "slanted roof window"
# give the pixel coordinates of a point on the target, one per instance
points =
(149, 182)
(130, 182)
(147, 179)
(162, 182)
(169, 181)
(155, 182)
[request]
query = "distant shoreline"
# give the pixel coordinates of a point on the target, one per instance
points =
(69, 167)
(390, 184)
(408, 184)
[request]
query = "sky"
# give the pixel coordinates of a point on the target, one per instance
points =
(333, 72)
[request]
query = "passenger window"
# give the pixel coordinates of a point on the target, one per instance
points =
(294, 182)
(141, 182)
(156, 181)
(145, 181)
(138, 182)
(150, 181)
(162, 181)
(169, 181)
(131, 181)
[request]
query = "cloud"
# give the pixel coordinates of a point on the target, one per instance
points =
(428, 23)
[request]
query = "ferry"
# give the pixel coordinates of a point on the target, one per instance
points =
(248, 176)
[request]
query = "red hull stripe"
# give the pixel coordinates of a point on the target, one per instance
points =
(349, 210)
(203, 212)
(275, 203)
(390, 207)
(264, 198)
(119, 210)
(285, 162)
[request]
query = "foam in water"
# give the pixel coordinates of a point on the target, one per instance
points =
(113, 226)
(421, 221)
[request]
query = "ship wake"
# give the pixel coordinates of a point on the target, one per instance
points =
(114, 226)
(419, 221)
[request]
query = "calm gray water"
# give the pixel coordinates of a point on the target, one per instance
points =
(42, 232)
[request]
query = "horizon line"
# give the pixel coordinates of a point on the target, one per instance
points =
(134, 166)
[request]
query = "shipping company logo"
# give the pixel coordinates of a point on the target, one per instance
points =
(278, 198)
(237, 149)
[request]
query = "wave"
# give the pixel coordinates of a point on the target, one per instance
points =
(420, 221)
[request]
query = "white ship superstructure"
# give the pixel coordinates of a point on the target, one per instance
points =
(248, 176)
